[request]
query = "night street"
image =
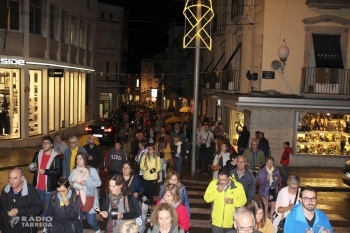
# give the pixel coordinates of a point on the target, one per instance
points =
(334, 203)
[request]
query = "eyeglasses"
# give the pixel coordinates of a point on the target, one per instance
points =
(245, 229)
(72, 142)
(45, 143)
(310, 199)
(254, 144)
(240, 161)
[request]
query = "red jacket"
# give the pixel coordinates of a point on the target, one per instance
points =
(183, 220)
(286, 156)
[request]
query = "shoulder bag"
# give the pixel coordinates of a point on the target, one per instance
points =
(203, 146)
(280, 227)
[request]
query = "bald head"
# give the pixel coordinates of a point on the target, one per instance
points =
(16, 178)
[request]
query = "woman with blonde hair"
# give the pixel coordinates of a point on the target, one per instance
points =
(171, 195)
(164, 220)
(150, 165)
(173, 178)
(262, 222)
(129, 226)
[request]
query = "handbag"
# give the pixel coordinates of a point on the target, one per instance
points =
(88, 204)
(215, 167)
(280, 226)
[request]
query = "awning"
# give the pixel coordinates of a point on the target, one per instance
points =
(327, 51)
(232, 56)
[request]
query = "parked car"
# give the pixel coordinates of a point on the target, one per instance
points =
(346, 177)
(105, 129)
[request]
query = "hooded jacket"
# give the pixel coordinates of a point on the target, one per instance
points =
(53, 169)
(28, 204)
(286, 156)
(296, 221)
(222, 213)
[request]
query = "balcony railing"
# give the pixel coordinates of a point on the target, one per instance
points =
(219, 22)
(226, 80)
(325, 81)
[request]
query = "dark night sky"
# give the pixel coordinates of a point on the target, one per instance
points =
(147, 39)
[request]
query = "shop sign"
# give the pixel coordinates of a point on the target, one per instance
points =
(19, 62)
(55, 73)
(268, 74)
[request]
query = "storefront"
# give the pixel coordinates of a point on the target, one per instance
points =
(105, 104)
(34, 101)
(317, 130)
(323, 134)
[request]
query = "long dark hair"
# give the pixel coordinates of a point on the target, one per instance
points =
(119, 180)
(255, 205)
(131, 167)
(84, 157)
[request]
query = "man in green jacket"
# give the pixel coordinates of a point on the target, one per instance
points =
(254, 156)
(226, 194)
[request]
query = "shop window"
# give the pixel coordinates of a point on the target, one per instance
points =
(62, 103)
(52, 102)
(71, 99)
(9, 104)
(235, 124)
(35, 102)
(35, 17)
(323, 134)
(80, 100)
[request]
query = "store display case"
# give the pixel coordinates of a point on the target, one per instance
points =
(237, 126)
(323, 134)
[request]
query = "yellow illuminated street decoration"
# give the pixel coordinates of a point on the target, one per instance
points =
(197, 23)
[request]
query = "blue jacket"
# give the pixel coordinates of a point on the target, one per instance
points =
(66, 159)
(296, 222)
(183, 197)
(136, 185)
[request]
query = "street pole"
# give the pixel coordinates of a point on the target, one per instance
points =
(195, 93)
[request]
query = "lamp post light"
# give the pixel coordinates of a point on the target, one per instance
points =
(283, 53)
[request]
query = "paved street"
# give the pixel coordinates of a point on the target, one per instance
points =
(334, 197)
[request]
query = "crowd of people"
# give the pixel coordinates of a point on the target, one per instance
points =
(66, 181)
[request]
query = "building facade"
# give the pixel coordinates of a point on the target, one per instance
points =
(111, 56)
(306, 99)
(45, 70)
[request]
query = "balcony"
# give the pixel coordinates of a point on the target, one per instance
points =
(225, 81)
(219, 24)
(332, 81)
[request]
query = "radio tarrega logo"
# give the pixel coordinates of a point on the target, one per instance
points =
(36, 221)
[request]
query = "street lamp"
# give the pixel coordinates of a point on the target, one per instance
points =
(283, 53)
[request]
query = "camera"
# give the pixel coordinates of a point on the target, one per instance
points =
(114, 214)
(152, 170)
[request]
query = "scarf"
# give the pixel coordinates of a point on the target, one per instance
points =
(270, 172)
(151, 135)
(178, 153)
(173, 203)
(81, 174)
(68, 197)
(114, 202)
